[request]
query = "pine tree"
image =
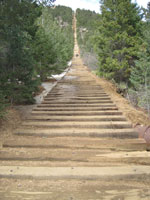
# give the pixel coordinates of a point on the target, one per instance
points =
(17, 63)
(140, 74)
(17, 30)
(54, 41)
(86, 28)
(117, 38)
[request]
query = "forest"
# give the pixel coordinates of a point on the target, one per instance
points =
(120, 40)
(36, 41)
(85, 32)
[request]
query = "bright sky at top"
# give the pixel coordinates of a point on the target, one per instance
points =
(91, 4)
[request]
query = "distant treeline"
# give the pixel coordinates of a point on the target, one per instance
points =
(120, 36)
(86, 25)
(36, 41)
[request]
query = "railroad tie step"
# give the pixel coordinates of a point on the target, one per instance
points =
(77, 118)
(63, 105)
(88, 155)
(72, 172)
(77, 113)
(72, 143)
(74, 109)
(74, 132)
(78, 98)
(69, 101)
(73, 124)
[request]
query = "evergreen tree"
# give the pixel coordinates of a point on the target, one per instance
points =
(140, 74)
(86, 28)
(62, 13)
(54, 42)
(17, 32)
(33, 41)
(117, 38)
(147, 13)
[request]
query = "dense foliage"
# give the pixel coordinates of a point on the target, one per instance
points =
(121, 39)
(86, 27)
(33, 42)
(122, 43)
(140, 74)
(54, 41)
(62, 13)
(118, 38)
(17, 28)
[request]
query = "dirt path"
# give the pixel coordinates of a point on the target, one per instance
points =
(76, 145)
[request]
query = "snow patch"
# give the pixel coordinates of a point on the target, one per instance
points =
(48, 86)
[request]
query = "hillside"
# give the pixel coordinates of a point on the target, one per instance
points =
(76, 144)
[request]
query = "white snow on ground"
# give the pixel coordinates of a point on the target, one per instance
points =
(48, 86)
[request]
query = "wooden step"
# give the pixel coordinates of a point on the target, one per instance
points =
(68, 101)
(91, 125)
(69, 157)
(76, 105)
(80, 95)
(74, 132)
(91, 118)
(77, 98)
(74, 108)
(76, 143)
(72, 172)
(76, 113)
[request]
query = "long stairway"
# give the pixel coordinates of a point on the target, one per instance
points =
(76, 145)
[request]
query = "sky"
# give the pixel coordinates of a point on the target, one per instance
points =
(91, 4)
